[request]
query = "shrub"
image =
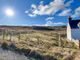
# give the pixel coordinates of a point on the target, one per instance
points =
(74, 45)
(12, 47)
(17, 50)
(25, 51)
(68, 57)
(47, 57)
(35, 55)
(4, 46)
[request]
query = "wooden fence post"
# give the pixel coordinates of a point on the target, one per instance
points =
(59, 40)
(19, 36)
(79, 44)
(10, 36)
(3, 34)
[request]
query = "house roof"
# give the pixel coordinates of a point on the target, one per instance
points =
(74, 24)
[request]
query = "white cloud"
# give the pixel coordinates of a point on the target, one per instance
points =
(38, 25)
(41, 2)
(68, 3)
(33, 6)
(65, 12)
(77, 12)
(59, 23)
(51, 8)
(32, 15)
(49, 18)
(26, 11)
(48, 23)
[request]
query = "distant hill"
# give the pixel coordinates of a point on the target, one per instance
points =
(33, 27)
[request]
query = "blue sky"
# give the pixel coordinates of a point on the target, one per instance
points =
(39, 12)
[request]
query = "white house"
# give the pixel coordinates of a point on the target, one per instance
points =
(73, 30)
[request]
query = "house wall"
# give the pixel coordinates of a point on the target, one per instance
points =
(68, 32)
(75, 34)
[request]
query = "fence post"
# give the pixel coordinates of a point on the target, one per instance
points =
(3, 34)
(10, 36)
(19, 36)
(79, 44)
(59, 40)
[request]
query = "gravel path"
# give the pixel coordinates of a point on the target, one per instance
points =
(9, 55)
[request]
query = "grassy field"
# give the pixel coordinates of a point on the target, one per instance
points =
(52, 43)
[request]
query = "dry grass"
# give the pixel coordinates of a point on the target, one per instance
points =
(43, 42)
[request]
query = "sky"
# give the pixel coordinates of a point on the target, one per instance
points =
(38, 12)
